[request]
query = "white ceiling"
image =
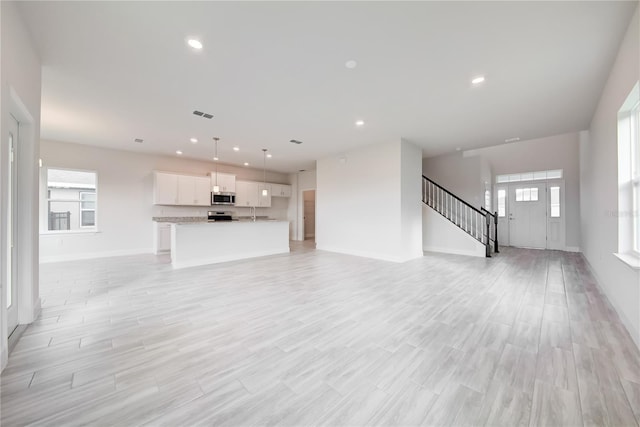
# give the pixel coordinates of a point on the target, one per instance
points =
(275, 71)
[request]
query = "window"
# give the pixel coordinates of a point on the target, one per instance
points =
(554, 194)
(628, 213)
(530, 176)
(502, 203)
(527, 194)
(71, 199)
(87, 209)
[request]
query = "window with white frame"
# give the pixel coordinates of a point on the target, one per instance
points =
(502, 203)
(629, 174)
(527, 194)
(529, 176)
(71, 199)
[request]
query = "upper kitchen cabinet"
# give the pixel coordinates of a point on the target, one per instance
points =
(249, 194)
(263, 201)
(280, 190)
(182, 190)
(245, 194)
(165, 189)
(226, 182)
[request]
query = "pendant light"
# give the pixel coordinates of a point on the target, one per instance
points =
(265, 192)
(216, 188)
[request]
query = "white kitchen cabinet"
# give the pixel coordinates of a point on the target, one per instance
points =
(202, 191)
(280, 190)
(186, 190)
(245, 194)
(226, 182)
(263, 201)
(162, 237)
(165, 189)
(182, 190)
(249, 193)
(193, 191)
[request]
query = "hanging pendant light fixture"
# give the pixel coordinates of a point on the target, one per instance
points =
(216, 188)
(265, 192)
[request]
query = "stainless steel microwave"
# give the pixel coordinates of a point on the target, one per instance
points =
(228, 199)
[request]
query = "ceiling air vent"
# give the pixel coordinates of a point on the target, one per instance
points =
(138, 140)
(295, 141)
(201, 114)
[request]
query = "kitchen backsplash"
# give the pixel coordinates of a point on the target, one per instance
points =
(278, 210)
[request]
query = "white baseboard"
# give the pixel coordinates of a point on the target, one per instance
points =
(93, 255)
(37, 308)
(571, 249)
(4, 356)
(453, 251)
(366, 254)
(235, 257)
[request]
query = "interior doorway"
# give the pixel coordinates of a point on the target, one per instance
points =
(309, 213)
(531, 214)
(12, 206)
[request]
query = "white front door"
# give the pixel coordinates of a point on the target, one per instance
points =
(12, 185)
(528, 215)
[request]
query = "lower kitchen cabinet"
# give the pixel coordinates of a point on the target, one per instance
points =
(162, 237)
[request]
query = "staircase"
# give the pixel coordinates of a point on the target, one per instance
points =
(480, 224)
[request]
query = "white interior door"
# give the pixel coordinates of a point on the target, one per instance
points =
(12, 185)
(528, 215)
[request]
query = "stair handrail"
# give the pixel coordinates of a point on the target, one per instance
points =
(453, 195)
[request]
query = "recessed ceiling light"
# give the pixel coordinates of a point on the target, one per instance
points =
(512, 139)
(178, 152)
(194, 140)
(360, 123)
(196, 44)
(269, 156)
(477, 80)
(216, 159)
(458, 148)
(351, 64)
(236, 148)
(246, 163)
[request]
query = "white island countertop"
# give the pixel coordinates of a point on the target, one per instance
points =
(201, 243)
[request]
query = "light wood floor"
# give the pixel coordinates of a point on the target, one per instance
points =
(312, 337)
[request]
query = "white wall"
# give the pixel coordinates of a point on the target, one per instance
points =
(463, 176)
(125, 199)
(599, 187)
(20, 77)
(441, 235)
(467, 174)
(366, 197)
(553, 152)
(301, 181)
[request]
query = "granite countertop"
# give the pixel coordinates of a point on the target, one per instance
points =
(179, 219)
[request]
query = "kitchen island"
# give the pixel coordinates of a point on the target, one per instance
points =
(201, 243)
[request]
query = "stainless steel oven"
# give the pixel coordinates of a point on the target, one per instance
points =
(228, 199)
